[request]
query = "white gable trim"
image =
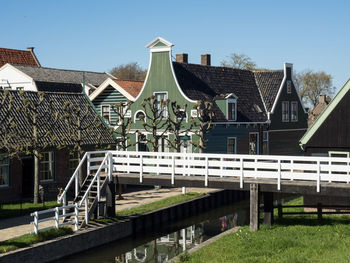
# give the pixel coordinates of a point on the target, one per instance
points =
(148, 70)
(156, 41)
(105, 84)
(231, 95)
(289, 65)
(17, 70)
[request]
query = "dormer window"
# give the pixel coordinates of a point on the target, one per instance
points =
(231, 109)
(105, 110)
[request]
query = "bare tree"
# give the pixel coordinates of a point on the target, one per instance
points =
(177, 126)
(130, 71)
(155, 120)
(122, 131)
(313, 84)
(202, 123)
(79, 123)
(239, 61)
(42, 119)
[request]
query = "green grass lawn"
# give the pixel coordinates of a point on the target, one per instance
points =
(13, 210)
(29, 239)
(295, 238)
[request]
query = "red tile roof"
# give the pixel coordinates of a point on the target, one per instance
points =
(133, 87)
(15, 56)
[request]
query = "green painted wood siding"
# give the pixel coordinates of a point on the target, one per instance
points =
(109, 96)
(160, 79)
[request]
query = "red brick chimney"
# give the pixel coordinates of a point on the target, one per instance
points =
(205, 59)
(182, 58)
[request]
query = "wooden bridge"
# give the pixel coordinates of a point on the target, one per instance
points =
(328, 176)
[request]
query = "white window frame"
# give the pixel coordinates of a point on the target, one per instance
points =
(165, 113)
(194, 113)
(2, 165)
(72, 160)
(51, 163)
(288, 113)
(109, 113)
(266, 139)
(289, 87)
(235, 145)
(136, 119)
(257, 142)
(166, 144)
(137, 141)
(234, 101)
(20, 88)
(291, 111)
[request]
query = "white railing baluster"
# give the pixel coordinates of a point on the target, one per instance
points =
(141, 164)
(292, 170)
(98, 186)
(242, 174)
(318, 176)
(87, 210)
(173, 169)
(279, 175)
(76, 217)
(88, 164)
(221, 167)
(76, 184)
(64, 203)
(110, 168)
(36, 222)
(56, 217)
(206, 171)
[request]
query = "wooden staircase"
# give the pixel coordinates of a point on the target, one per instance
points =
(92, 197)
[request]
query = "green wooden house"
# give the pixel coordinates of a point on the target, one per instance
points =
(255, 112)
(111, 92)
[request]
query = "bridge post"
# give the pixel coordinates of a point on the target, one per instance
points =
(268, 208)
(254, 207)
(110, 199)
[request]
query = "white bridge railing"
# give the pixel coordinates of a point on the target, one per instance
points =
(276, 168)
(56, 218)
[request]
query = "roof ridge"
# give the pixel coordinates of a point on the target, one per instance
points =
(200, 65)
(50, 92)
(75, 70)
(12, 49)
(267, 70)
(129, 80)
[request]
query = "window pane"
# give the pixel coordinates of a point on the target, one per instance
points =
(231, 145)
(47, 166)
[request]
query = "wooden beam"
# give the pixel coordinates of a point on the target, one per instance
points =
(268, 208)
(254, 207)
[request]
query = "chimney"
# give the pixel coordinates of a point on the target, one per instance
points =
(182, 58)
(31, 49)
(322, 99)
(205, 59)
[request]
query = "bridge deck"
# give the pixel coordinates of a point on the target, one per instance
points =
(265, 185)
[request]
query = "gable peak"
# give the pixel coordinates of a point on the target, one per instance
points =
(159, 43)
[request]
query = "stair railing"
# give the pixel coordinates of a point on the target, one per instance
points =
(75, 177)
(85, 198)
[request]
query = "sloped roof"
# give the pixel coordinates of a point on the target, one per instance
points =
(269, 83)
(97, 133)
(15, 56)
(62, 75)
(200, 82)
(133, 87)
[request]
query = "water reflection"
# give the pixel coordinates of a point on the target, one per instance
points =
(166, 247)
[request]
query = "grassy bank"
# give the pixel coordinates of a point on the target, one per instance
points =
(29, 239)
(142, 209)
(295, 238)
(19, 209)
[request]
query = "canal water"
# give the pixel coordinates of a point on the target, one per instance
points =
(169, 240)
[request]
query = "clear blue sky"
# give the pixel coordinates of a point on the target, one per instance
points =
(98, 35)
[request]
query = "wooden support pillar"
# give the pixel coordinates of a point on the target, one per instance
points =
(110, 199)
(254, 207)
(280, 211)
(268, 208)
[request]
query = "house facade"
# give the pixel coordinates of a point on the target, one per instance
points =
(56, 164)
(255, 112)
(111, 92)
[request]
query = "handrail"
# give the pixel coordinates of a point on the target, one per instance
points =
(59, 199)
(93, 180)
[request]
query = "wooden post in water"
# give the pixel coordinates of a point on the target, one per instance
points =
(110, 199)
(268, 208)
(254, 207)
